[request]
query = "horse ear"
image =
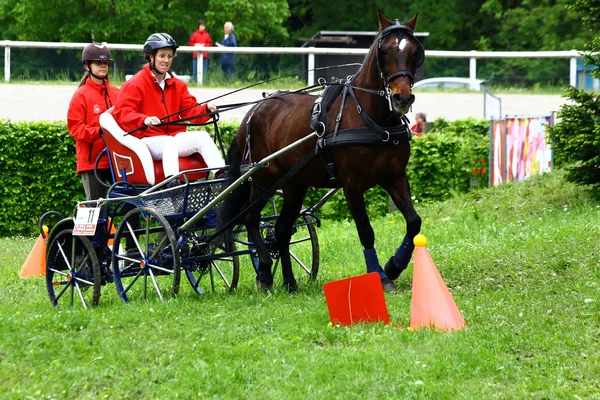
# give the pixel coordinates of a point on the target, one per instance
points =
(412, 24)
(383, 21)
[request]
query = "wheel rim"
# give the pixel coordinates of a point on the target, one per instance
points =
(150, 266)
(72, 271)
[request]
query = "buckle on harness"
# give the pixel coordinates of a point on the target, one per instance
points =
(320, 132)
(317, 107)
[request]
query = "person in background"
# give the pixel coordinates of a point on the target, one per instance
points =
(93, 97)
(418, 128)
(227, 60)
(154, 96)
(200, 38)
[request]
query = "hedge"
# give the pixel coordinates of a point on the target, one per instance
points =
(37, 170)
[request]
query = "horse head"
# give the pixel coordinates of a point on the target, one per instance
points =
(398, 55)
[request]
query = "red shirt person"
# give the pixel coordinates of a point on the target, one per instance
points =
(200, 38)
(155, 92)
(94, 96)
(418, 128)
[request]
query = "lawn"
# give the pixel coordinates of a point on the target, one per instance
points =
(522, 262)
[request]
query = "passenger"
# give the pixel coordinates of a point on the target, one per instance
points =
(153, 94)
(94, 96)
(418, 129)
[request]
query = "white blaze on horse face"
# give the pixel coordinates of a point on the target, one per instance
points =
(402, 44)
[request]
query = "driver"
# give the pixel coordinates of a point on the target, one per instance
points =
(153, 94)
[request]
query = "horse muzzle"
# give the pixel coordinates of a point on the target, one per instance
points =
(402, 103)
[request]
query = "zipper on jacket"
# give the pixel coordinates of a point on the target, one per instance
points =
(162, 100)
(90, 153)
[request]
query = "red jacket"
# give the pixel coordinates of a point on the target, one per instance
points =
(142, 97)
(89, 101)
(200, 37)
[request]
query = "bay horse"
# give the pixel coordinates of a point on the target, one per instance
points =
(380, 95)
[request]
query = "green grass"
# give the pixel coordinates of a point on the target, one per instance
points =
(522, 262)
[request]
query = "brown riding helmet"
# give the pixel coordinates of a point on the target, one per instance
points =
(96, 52)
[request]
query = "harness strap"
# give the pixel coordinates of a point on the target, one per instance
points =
(338, 119)
(366, 136)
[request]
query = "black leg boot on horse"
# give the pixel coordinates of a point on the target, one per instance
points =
(356, 203)
(399, 191)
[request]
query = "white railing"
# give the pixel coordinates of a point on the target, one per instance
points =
(472, 55)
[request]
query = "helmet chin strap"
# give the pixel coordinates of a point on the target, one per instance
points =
(94, 75)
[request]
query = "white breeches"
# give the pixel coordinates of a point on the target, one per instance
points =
(184, 144)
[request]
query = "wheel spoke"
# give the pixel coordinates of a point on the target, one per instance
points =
(155, 284)
(135, 278)
(58, 272)
(169, 271)
(221, 274)
(135, 239)
(76, 279)
(300, 240)
(80, 295)
(82, 263)
(63, 291)
(300, 262)
(72, 293)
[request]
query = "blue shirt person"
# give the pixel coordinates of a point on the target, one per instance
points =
(227, 60)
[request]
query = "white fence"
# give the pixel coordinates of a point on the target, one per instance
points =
(311, 52)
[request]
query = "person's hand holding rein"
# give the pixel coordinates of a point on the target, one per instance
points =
(211, 107)
(149, 121)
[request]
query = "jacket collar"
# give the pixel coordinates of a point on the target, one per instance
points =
(152, 78)
(90, 82)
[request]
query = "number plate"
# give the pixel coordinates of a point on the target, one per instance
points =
(86, 221)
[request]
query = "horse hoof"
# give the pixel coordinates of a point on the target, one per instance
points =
(391, 271)
(264, 286)
(388, 285)
(291, 287)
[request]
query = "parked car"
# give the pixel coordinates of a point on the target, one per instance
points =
(450, 83)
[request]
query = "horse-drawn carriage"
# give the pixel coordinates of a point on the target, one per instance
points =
(148, 230)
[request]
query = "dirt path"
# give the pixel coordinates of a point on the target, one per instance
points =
(50, 102)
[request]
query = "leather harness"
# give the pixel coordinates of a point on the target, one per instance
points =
(373, 134)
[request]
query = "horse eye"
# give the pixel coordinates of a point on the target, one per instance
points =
(384, 51)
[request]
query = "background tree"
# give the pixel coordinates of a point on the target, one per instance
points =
(576, 138)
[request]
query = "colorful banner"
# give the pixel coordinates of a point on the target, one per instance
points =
(519, 148)
(497, 159)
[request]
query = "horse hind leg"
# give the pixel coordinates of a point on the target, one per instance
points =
(356, 203)
(399, 190)
(292, 204)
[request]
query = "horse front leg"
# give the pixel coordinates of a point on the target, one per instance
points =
(264, 274)
(292, 204)
(356, 203)
(399, 190)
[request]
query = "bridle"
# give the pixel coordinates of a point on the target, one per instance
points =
(420, 56)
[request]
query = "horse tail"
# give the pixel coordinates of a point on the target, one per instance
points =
(228, 213)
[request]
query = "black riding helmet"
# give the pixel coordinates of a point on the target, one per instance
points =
(158, 41)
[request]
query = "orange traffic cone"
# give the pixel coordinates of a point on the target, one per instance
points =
(356, 299)
(432, 304)
(35, 264)
(110, 241)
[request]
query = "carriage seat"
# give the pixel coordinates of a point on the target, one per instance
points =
(128, 153)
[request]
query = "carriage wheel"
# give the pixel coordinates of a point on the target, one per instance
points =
(225, 269)
(72, 270)
(304, 245)
(150, 266)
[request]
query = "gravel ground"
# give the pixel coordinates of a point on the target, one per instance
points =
(32, 102)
